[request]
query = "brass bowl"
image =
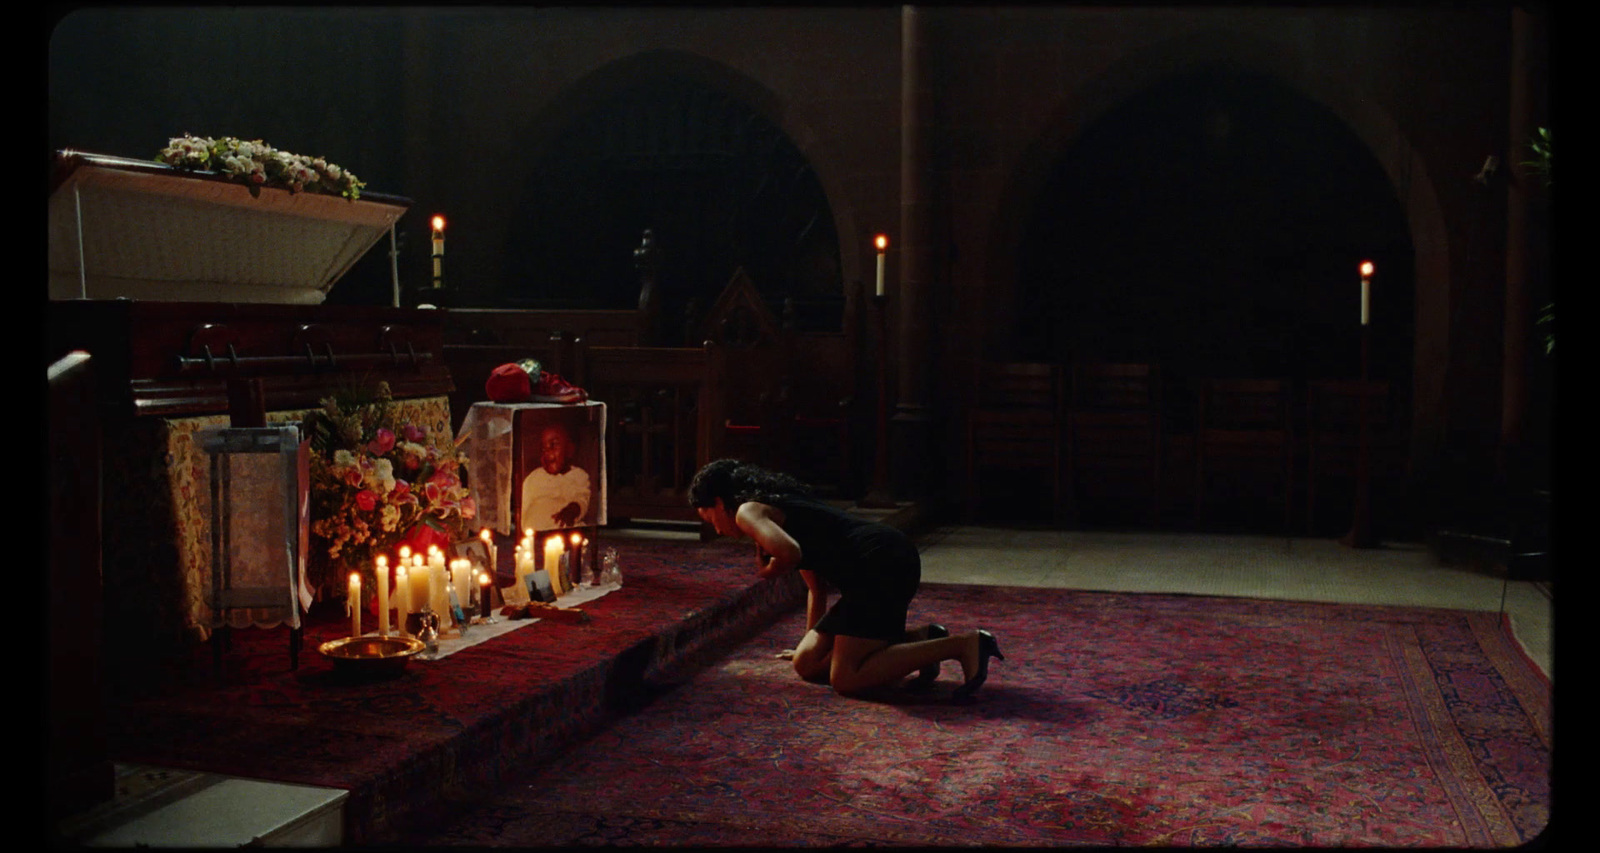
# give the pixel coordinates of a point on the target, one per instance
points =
(370, 656)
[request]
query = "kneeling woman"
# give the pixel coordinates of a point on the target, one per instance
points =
(862, 642)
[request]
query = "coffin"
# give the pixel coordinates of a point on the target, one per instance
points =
(136, 229)
(199, 301)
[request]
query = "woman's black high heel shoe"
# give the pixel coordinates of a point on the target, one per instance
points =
(929, 674)
(988, 647)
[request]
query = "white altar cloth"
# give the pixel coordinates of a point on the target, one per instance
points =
(454, 641)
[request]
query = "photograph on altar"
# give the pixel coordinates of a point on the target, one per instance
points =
(475, 552)
(559, 479)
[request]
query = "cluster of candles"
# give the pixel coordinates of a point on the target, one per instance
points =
(561, 562)
(422, 582)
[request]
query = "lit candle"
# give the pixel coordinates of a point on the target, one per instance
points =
(553, 549)
(353, 602)
(382, 573)
(488, 544)
(438, 249)
(1366, 285)
(438, 594)
(402, 588)
(462, 575)
(483, 594)
(419, 584)
(576, 558)
(882, 242)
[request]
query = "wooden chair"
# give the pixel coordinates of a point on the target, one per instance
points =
(1113, 436)
(1244, 432)
(1333, 437)
(1015, 426)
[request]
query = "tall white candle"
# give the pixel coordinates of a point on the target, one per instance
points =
(419, 585)
(1366, 287)
(438, 598)
(381, 572)
(402, 588)
(354, 603)
(463, 580)
(883, 243)
(438, 247)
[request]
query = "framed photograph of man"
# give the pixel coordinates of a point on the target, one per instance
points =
(559, 480)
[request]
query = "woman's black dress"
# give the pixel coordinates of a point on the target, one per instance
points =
(875, 567)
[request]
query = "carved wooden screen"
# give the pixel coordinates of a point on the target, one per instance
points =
(666, 421)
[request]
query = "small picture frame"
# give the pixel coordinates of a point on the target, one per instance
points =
(475, 551)
(539, 586)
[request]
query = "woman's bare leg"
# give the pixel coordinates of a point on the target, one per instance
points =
(813, 658)
(860, 664)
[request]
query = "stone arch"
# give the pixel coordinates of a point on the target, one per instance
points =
(543, 129)
(1149, 65)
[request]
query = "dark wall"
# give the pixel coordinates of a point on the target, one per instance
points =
(454, 108)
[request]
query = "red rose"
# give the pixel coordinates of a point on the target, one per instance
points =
(366, 500)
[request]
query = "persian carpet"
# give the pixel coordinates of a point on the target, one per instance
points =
(465, 721)
(1115, 719)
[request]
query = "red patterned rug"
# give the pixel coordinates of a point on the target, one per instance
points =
(1115, 719)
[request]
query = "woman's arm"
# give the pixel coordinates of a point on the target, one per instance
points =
(777, 549)
(816, 598)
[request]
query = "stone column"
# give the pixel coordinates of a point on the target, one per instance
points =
(1520, 193)
(913, 357)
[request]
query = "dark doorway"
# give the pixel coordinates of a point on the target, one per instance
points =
(1214, 224)
(719, 185)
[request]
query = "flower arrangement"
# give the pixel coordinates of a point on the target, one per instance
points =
(257, 164)
(376, 484)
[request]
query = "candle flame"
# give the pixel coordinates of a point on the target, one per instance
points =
(577, 538)
(405, 551)
(438, 222)
(881, 241)
(484, 535)
(1366, 269)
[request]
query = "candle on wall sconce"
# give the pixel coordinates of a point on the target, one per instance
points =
(882, 242)
(438, 250)
(1366, 288)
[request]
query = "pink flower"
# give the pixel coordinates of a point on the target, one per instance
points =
(413, 433)
(352, 476)
(432, 491)
(366, 500)
(381, 443)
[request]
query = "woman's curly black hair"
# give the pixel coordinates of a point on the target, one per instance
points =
(739, 482)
